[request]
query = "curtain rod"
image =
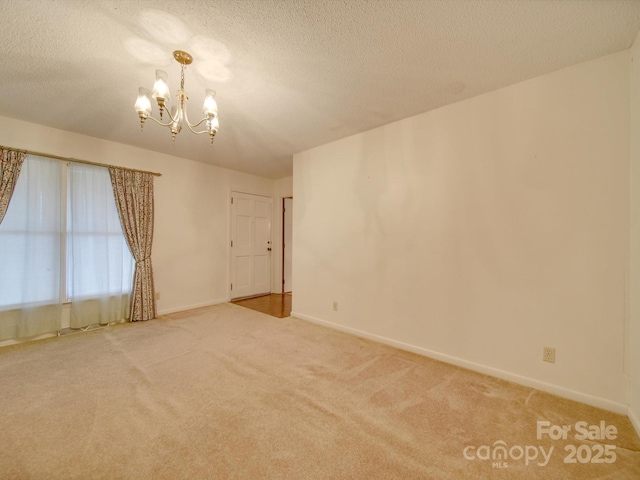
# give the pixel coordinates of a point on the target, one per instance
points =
(76, 160)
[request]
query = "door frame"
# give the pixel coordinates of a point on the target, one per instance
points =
(282, 243)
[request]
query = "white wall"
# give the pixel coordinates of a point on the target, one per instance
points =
(633, 344)
(191, 238)
(482, 231)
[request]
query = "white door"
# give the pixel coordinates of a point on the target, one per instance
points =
(287, 219)
(250, 245)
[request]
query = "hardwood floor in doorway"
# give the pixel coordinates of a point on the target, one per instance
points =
(276, 304)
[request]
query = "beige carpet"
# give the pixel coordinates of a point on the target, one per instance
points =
(228, 393)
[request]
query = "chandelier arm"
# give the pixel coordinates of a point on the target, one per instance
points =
(158, 121)
(191, 127)
(173, 119)
(198, 133)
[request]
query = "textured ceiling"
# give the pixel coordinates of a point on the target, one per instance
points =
(289, 75)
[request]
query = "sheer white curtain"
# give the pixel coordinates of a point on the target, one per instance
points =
(30, 252)
(99, 264)
(34, 279)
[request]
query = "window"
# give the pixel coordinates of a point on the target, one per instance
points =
(60, 241)
(98, 258)
(30, 237)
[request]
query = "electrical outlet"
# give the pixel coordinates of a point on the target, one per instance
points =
(335, 306)
(157, 295)
(549, 354)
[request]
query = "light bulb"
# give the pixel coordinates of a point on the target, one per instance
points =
(161, 88)
(143, 103)
(210, 106)
(214, 125)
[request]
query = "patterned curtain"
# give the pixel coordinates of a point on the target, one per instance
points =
(10, 165)
(133, 192)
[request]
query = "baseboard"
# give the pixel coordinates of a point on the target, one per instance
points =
(634, 420)
(191, 307)
(18, 341)
(592, 400)
(7, 343)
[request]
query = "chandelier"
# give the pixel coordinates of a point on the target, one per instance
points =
(178, 114)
